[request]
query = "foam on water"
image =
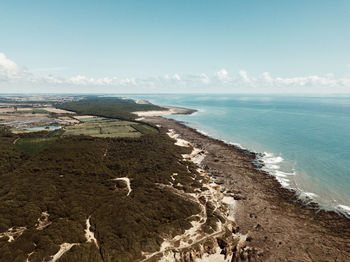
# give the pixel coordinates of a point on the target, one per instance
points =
(344, 209)
(270, 161)
(202, 132)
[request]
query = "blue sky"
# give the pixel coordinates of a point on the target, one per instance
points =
(187, 45)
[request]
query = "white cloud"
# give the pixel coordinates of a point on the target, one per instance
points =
(244, 76)
(13, 75)
(222, 75)
(8, 65)
(176, 77)
(173, 77)
(313, 80)
(204, 78)
(9, 70)
(267, 77)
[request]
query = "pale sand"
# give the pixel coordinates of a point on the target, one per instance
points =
(194, 235)
(155, 113)
(84, 117)
(216, 257)
(127, 181)
(31, 253)
(56, 110)
(89, 235)
(179, 141)
(7, 110)
(43, 221)
(12, 233)
(169, 111)
(231, 203)
(63, 249)
(141, 102)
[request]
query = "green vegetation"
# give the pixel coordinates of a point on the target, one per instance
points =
(40, 111)
(92, 119)
(72, 180)
(143, 129)
(101, 127)
(10, 158)
(34, 145)
(34, 111)
(111, 107)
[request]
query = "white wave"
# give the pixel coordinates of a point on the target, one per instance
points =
(269, 166)
(283, 174)
(344, 208)
(268, 154)
(308, 195)
(237, 145)
(284, 182)
(280, 174)
(272, 159)
(202, 132)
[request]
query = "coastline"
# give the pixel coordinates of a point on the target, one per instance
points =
(276, 220)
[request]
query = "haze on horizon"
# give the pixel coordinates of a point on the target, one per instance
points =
(180, 46)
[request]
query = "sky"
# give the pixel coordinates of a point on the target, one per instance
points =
(183, 46)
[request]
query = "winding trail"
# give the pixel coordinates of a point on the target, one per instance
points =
(65, 247)
(15, 141)
(89, 235)
(126, 180)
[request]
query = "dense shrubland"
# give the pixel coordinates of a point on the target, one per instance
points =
(71, 180)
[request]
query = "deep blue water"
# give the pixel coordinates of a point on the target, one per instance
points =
(306, 140)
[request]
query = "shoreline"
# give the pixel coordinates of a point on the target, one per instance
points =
(304, 196)
(299, 195)
(272, 215)
(259, 164)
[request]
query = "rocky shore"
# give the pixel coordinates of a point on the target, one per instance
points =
(277, 226)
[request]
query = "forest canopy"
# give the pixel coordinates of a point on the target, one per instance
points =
(72, 180)
(113, 107)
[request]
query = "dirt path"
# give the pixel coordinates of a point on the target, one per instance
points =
(15, 141)
(89, 235)
(127, 181)
(65, 247)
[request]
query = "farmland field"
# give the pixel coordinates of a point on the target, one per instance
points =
(102, 127)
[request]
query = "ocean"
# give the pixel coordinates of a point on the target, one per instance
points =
(304, 141)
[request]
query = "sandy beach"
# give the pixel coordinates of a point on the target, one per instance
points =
(170, 110)
(278, 226)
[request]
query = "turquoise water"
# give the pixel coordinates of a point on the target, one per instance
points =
(43, 128)
(305, 141)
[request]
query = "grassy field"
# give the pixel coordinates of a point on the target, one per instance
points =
(99, 127)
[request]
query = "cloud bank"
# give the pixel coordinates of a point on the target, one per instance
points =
(15, 78)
